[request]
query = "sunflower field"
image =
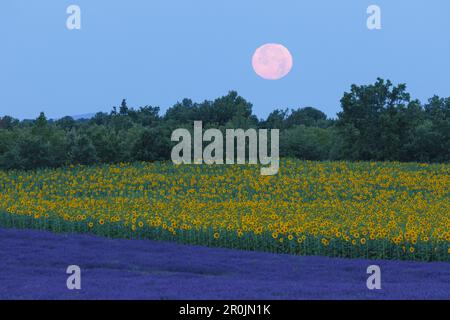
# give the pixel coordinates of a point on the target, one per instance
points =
(342, 209)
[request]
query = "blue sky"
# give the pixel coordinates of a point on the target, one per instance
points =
(160, 51)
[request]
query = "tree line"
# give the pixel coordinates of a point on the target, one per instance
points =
(378, 122)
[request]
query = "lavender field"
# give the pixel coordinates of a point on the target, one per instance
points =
(33, 266)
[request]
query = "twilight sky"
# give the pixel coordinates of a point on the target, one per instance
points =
(157, 52)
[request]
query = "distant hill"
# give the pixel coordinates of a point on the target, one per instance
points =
(84, 116)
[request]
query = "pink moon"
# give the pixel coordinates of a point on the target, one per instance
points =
(272, 61)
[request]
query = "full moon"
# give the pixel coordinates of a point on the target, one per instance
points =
(272, 61)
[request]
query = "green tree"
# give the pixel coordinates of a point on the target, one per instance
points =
(375, 121)
(276, 119)
(83, 151)
(307, 143)
(307, 116)
(153, 144)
